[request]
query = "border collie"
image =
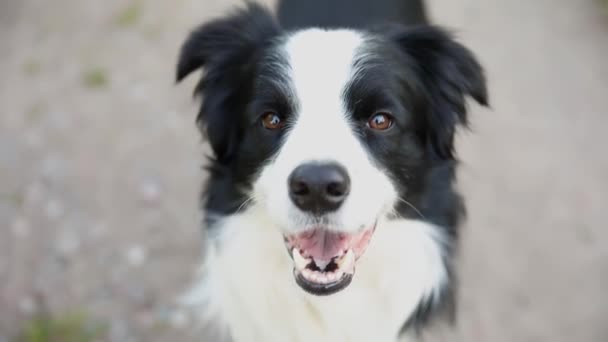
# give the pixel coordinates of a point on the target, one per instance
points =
(330, 207)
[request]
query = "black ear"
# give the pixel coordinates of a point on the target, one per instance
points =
(449, 72)
(226, 49)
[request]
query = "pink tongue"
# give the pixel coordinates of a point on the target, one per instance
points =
(322, 244)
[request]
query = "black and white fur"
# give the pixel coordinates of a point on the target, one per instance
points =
(326, 71)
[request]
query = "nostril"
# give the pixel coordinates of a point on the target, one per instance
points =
(337, 189)
(299, 188)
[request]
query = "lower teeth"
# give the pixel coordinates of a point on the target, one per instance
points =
(310, 270)
(324, 278)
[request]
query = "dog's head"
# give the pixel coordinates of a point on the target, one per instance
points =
(326, 132)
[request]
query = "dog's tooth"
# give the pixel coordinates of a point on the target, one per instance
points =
(349, 259)
(346, 262)
(305, 273)
(299, 260)
(322, 263)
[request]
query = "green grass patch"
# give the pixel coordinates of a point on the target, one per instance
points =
(34, 113)
(70, 327)
(95, 78)
(604, 5)
(16, 199)
(130, 15)
(31, 68)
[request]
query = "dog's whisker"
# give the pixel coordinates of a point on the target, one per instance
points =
(244, 204)
(411, 206)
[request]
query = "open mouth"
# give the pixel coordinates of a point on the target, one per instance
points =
(324, 260)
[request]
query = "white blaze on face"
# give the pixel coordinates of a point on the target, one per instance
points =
(320, 68)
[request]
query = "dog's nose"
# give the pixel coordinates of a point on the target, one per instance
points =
(319, 187)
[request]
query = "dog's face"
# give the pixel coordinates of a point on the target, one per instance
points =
(326, 133)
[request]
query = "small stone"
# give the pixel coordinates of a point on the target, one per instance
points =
(52, 167)
(33, 139)
(20, 228)
(150, 191)
(137, 93)
(27, 306)
(98, 230)
(54, 209)
(178, 319)
(67, 245)
(136, 255)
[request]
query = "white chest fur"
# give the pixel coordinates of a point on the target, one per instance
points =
(248, 285)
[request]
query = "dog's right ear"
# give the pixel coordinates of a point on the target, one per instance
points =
(450, 73)
(225, 48)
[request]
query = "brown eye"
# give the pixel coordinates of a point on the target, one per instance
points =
(271, 120)
(380, 122)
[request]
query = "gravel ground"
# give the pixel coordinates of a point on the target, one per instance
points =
(100, 168)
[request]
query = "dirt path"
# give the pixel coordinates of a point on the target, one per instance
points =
(100, 167)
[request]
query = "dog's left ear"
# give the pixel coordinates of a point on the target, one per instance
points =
(225, 49)
(449, 72)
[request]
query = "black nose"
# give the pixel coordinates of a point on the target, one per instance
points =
(319, 188)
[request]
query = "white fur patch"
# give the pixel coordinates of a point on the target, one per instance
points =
(248, 284)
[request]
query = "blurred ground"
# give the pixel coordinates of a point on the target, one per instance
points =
(100, 167)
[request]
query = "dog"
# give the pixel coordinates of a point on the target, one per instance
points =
(330, 209)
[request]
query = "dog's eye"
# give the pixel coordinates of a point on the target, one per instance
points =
(271, 120)
(380, 121)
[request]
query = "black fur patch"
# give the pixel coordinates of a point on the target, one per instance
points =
(233, 51)
(422, 77)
